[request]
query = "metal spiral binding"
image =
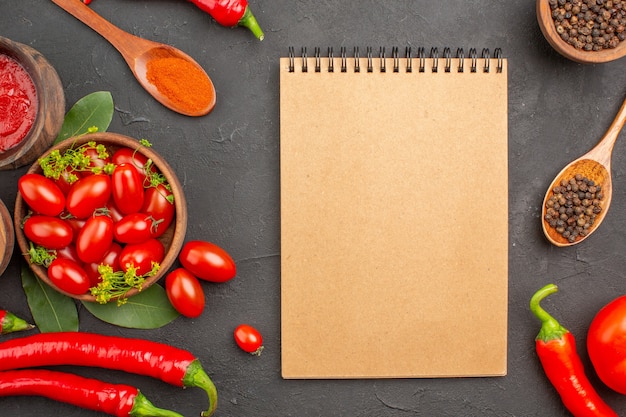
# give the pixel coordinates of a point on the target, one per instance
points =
(421, 56)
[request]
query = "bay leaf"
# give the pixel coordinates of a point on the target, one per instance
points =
(51, 310)
(149, 309)
(93, 110)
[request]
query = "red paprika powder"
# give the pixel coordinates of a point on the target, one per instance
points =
(18, 103)
(181, 82)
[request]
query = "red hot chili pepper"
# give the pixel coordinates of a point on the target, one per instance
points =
(556, 349)
(231, 13)
(144, 357)
(91, 394)
(9, 323)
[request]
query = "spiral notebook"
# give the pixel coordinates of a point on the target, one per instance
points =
(394, 216)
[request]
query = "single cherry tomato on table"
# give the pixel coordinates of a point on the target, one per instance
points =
(249, 339)
(49, 232)
(41, 194)
(127, 188)
(606, 344)
(185, 292)
(88, 194)
(68, 276)
(134, 228)
(142, 255)
(207, 261)
(95, 238)
(159, 204)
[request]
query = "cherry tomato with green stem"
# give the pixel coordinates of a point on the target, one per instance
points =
(88, 194)
(142, 255)
(185, 292)
(159, 203)
(95, 238)
(135, 159)
(41, 194)
(47, 231)
(127, 189)
(249, 339)
(75, 223)
(207, 261)
(134, 228)
(68, 276)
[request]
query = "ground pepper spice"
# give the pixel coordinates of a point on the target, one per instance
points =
(181, 82)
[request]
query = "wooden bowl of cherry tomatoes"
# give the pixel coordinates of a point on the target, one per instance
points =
(100, 217)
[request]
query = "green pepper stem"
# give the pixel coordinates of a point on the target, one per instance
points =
(142, 407)
(11, 323)
(248, 20)
(197, 377)
(551, 329)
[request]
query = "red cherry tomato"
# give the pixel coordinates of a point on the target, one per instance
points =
(95, 238)
(249, 339)
(207, 261)
(69, 252)
(185, 292)
(134, 158)
(41, 194)
(134, 228)
(65, 180)
(606, 344)
(49, 232)
(68, 276)
(76, 224)
(141, 255)
(88, 194)
(127, 188)
(157, 205)
(111, 258)
(96, 160)
(113, 211)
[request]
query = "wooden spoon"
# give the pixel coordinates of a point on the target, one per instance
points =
(138, 52)
(595, 165)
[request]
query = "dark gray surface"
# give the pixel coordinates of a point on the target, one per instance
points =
(228, 163)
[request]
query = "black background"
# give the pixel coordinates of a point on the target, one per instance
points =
(228, 163)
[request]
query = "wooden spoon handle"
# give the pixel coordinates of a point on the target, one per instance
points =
(602, 151)
(116, 36)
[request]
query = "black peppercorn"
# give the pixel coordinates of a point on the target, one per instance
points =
(592, 25)
(573, 207)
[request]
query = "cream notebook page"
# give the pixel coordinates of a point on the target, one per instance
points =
(394, 217)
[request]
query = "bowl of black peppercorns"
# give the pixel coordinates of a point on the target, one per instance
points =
(585, 31)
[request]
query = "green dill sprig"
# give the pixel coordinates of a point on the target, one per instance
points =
(41, 256)
(73, 161)
(116, 284)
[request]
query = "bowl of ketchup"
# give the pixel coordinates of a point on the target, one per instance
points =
(32, 104)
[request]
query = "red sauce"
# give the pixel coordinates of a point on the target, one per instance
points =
(18, 103)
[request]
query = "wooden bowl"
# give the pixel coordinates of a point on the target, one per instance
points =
(50, 108)
(7, 237)
(546, 23)
(172, 239)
